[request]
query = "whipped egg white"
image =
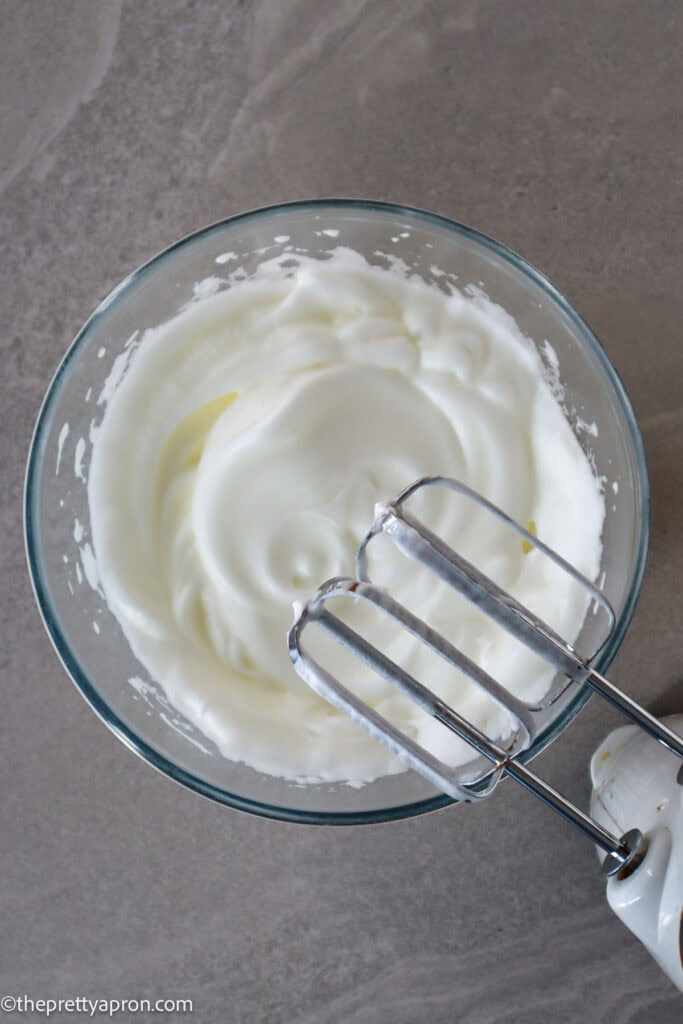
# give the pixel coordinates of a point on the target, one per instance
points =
(238, 465)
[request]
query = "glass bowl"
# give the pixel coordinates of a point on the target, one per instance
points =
(89, 640)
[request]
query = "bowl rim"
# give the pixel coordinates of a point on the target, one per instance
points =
(33, 545)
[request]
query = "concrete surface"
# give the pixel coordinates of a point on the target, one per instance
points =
(555, 127)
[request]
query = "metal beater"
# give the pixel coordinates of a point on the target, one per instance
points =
(623, 854)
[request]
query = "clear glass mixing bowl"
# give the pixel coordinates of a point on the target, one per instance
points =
(88, 639)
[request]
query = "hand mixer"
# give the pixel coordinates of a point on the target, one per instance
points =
(644, 868)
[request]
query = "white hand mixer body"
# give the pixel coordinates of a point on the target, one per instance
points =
(637, 783)
(637, 806)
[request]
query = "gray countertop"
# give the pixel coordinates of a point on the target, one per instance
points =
(555, 127)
